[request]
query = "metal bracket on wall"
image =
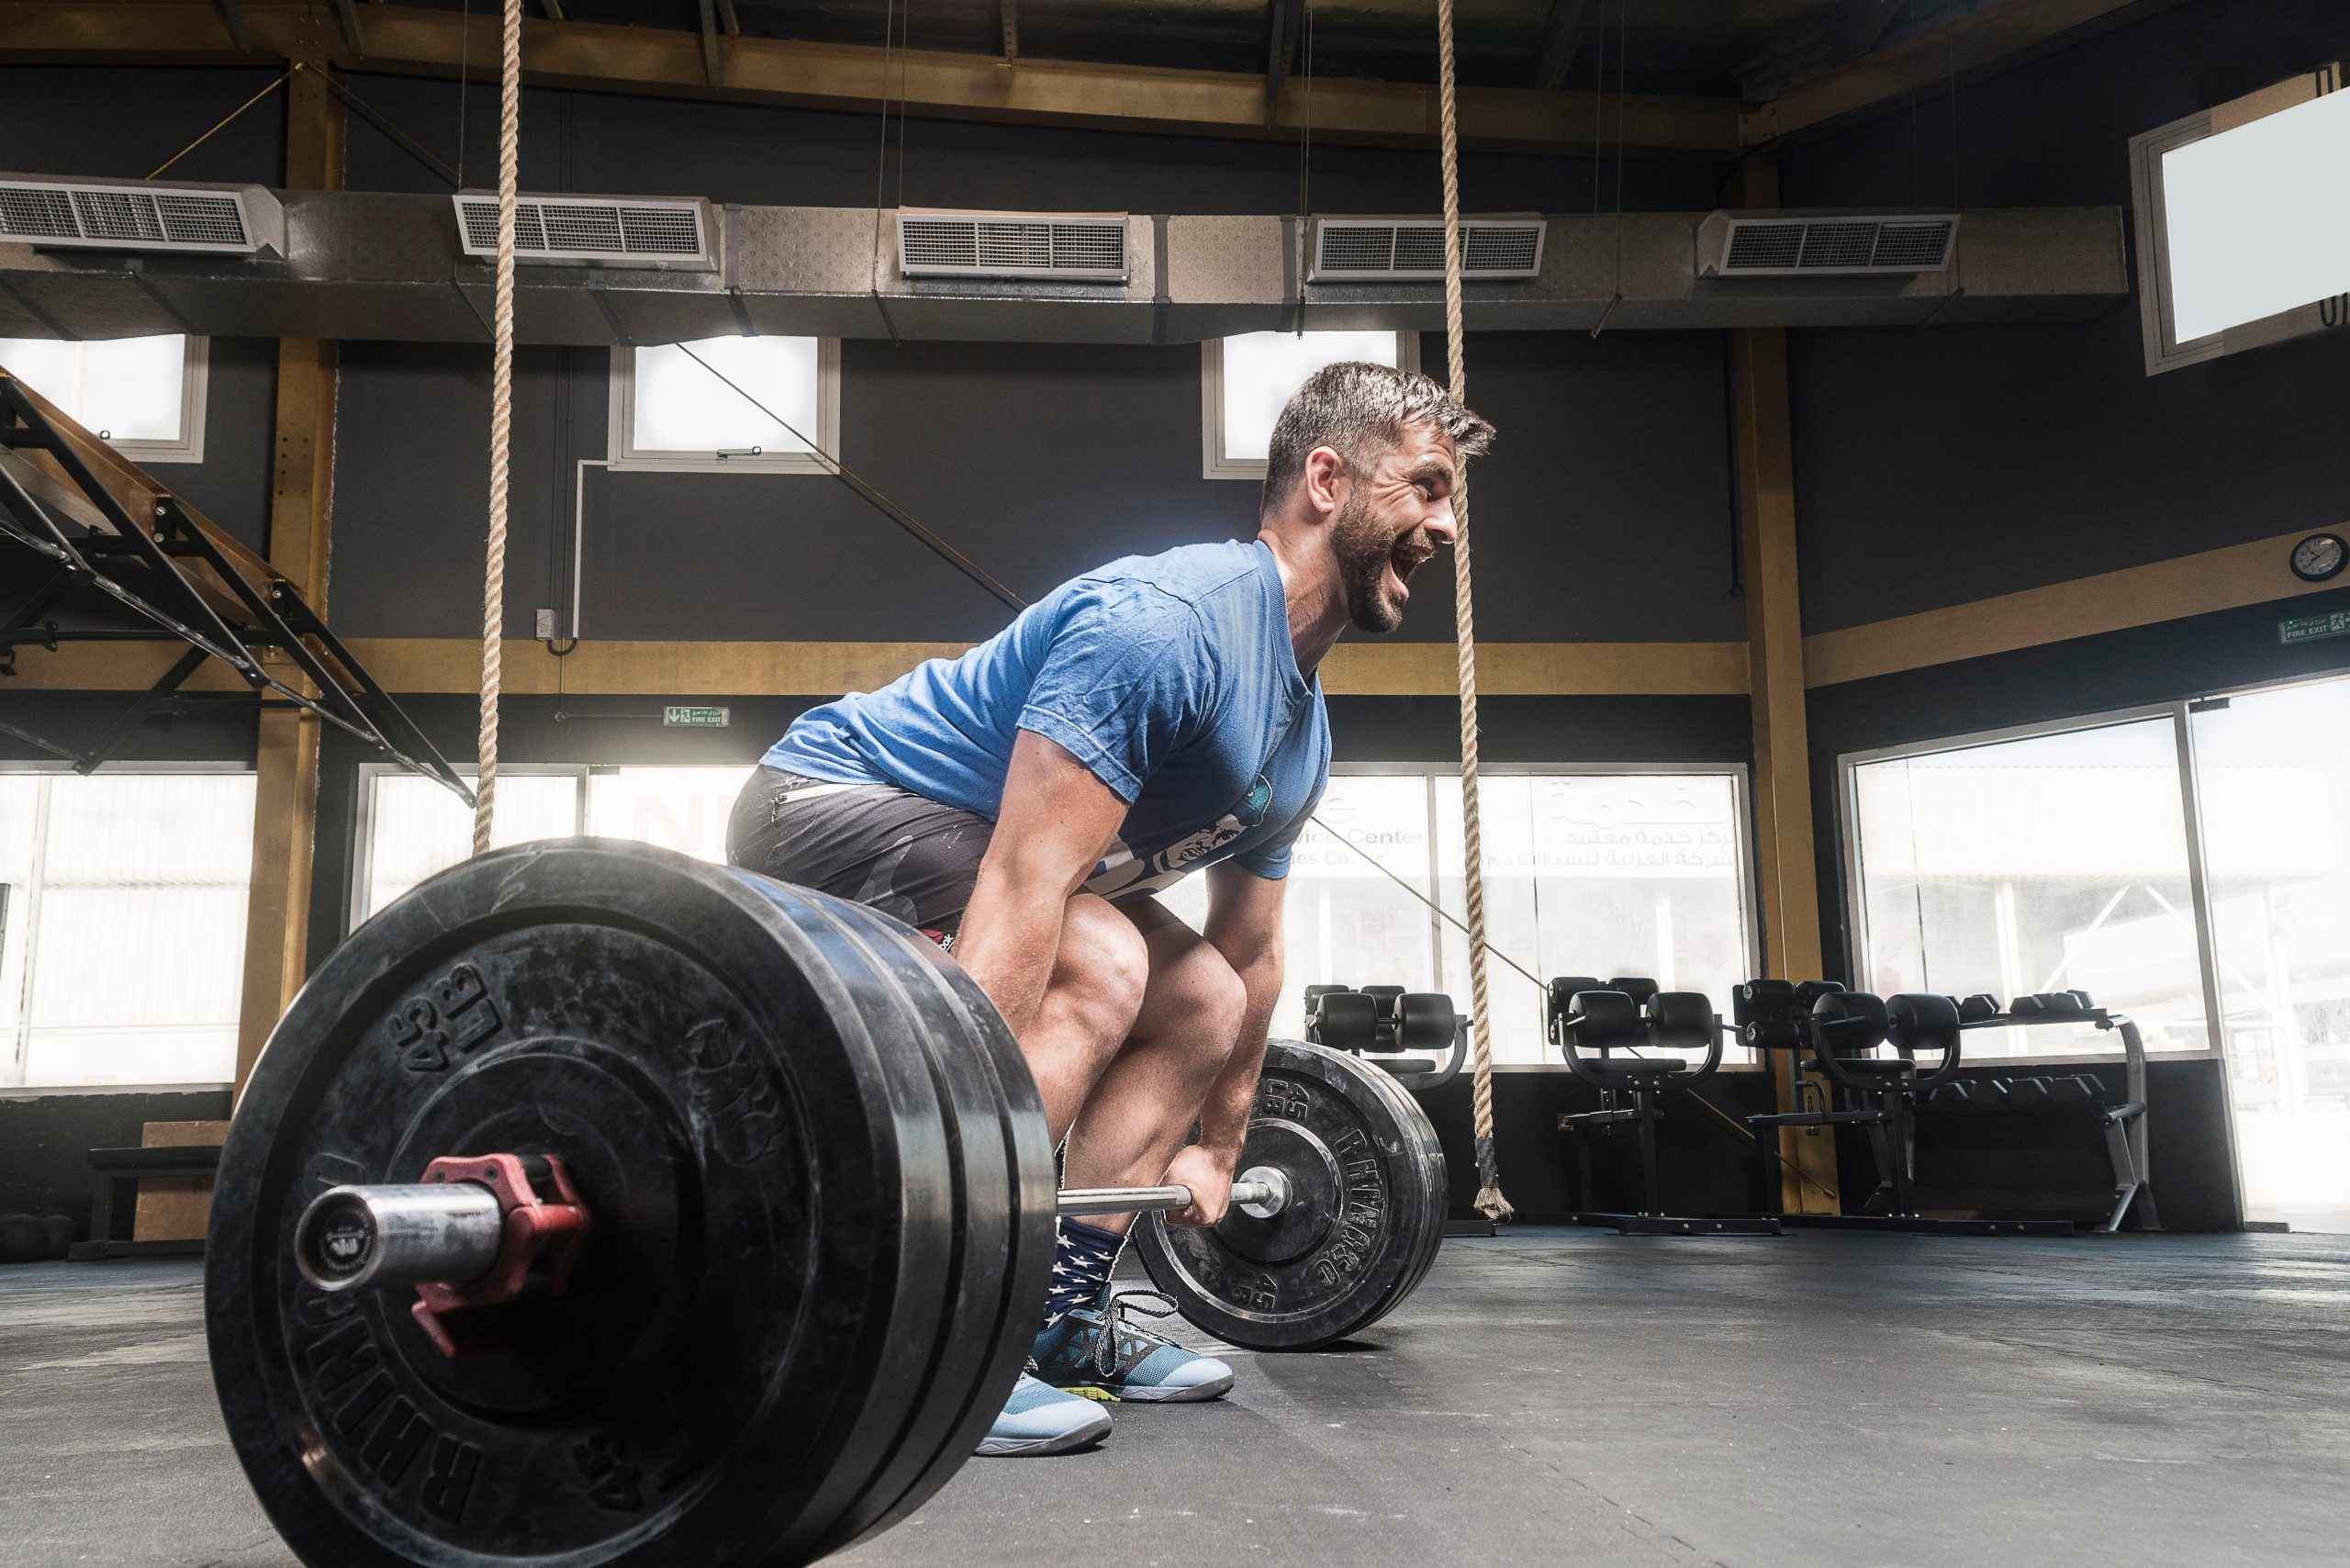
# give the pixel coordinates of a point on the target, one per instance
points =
(171, 576)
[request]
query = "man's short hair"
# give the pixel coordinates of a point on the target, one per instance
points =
(1359, 411)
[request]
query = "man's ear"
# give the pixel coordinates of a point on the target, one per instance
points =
(1326, 476)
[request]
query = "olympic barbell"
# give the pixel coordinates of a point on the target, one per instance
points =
(594, 1201)
(454, 1231)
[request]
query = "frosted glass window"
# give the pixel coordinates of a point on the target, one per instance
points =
(417, 828)
(684, 808)
(2052, 863)
(1600, 874)
(2254, 225)
(675, 412)
(143, 396)
(123, 954)
(1343, 923)
(1605, 874)
(1252, 377)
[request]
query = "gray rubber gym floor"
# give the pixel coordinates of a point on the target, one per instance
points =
(1549, 1396)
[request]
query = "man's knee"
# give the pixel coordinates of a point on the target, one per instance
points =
(1196, 1005)
(1102, 969)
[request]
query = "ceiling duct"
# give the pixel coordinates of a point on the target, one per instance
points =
(1824, 244)
(140, 215)
(1411, 249)
(667, 233)
(385, 266)
(1074, 247)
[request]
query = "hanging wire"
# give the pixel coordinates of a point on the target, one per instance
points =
(224, 123)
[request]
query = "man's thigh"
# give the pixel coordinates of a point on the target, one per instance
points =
(882, 847)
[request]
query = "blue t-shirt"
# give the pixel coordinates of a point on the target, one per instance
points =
(1171, 676)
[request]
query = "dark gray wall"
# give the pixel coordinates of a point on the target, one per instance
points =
(45, 1142)
(592, 141)
(1940, 466)
(1603, 512)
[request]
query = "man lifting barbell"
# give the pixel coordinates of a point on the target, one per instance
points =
(1157, 717)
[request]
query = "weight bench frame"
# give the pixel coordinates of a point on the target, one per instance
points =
(134, 1165)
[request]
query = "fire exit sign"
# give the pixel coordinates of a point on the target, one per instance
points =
(2310, 628)
(685, 718)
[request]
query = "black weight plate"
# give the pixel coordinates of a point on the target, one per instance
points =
(772, 1193)
(1353, 1231)
(941, 1356)
(1006, 1180)
(1435, 1191)
(1432, 1190)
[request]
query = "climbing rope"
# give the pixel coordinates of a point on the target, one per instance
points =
(1489, 1202)
(501, 427)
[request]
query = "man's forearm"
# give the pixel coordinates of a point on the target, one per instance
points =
(1224, 1115)
(1008, 941)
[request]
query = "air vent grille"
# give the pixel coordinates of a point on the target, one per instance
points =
(1070, 247)
(598, 231)
(1917, 246)
(1364, 250)
(1824, 244)
(124, 218)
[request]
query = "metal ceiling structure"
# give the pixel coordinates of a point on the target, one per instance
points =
(1695, 74)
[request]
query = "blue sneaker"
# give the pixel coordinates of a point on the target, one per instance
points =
(1101, 1353)
(1039, 1419)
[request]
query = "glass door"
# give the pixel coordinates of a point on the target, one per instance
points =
(2273, 774)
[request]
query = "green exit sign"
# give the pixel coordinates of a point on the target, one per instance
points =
(684, 718)
(2310, 628)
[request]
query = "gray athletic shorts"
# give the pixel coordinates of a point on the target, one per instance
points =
(879, 844)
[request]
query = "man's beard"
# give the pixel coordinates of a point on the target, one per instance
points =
(1363, 546)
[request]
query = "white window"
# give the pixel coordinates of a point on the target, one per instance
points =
(2040, 863)
(671, 409)
(684, 808)
(410, 828)
(1599, 873)
(122, 927)
(2242, 239)
(1245, 381)
(144, 397)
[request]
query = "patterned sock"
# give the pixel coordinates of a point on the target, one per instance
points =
(1082, 1264)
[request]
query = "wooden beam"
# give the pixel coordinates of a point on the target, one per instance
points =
(1561, 36)
(1787, 875)
(1284, 23)
(452, 665)
(2002, 34)
(2201, 584)
(346, 21)
(301, 510)
(413, 41)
